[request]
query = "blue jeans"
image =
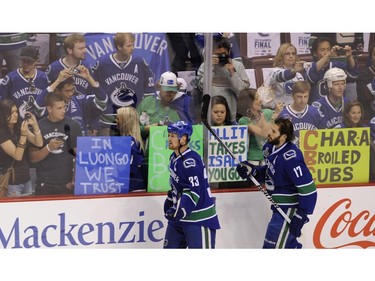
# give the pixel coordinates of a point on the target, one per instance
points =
(23, 189)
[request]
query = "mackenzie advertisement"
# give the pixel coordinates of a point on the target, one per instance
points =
(344, 218)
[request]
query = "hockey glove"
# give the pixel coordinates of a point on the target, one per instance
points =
(245, 169)
(168, 201)
(171, 214)
(297, 222)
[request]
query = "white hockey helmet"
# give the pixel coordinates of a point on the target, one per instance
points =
(334, 74)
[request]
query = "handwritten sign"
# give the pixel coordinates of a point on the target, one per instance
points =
(337, 155)
(159, 153)
(221, 165)
(102, 165)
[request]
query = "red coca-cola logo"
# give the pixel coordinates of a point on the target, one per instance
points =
(339, 221)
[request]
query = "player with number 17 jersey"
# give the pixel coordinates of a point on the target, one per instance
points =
(288, 178)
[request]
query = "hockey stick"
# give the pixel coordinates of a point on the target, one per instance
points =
(205, 105)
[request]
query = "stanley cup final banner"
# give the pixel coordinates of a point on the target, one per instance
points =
(337, 156)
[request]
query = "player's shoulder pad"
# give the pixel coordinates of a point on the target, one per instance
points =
(289, 154)
(372, 121)
(189, 163)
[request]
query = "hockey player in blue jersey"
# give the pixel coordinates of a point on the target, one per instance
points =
(189, 207)
(290, 183)
(331, 107)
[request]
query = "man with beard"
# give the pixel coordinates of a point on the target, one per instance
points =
(290, 183)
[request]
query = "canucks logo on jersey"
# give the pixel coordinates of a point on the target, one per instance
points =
(288, 85)
(31, 105)
(123, 96)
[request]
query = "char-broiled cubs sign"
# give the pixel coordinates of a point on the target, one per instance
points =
(221, 165)
(102, 165)
(337, 155)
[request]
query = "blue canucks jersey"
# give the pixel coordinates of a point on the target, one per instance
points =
(319, 87)
(287, 177)
(330, 116)
(24, 92)
(125, 83)
(308, 119)
(191, 191)
(82, 85)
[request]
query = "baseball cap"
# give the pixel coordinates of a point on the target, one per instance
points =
(29, 53)
(168, 82)
(183, 84)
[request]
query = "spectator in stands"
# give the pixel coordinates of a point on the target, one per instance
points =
(125, 79)
(14, 137)
(55, 160)
(220, 112)
(302, 115)
(353, 118)
(352, 115)
(25, 84)
(166, 106)
(366, 86)
(127, 120)
(331, 107)
(83, 109)
(220, 116)
(323, 53)
(258, 120)
(185, 50)
(10, 50)
(75, 54)
(229, 77)
(234, 47)
(74, 46)
(287, 70)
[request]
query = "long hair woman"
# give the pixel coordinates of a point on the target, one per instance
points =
(128, 125)
(15, 134)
